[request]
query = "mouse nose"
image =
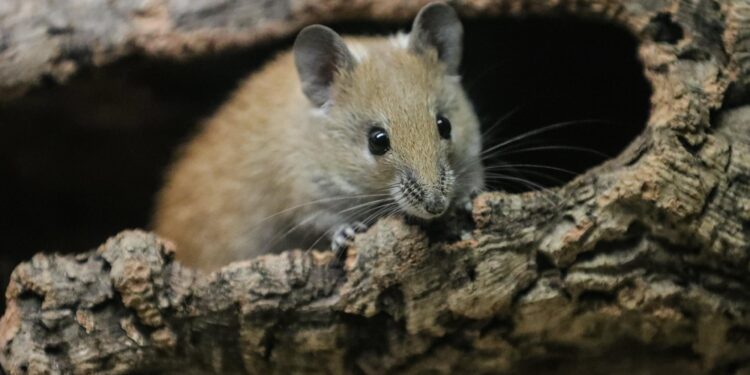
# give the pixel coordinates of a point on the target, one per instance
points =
(435, 204)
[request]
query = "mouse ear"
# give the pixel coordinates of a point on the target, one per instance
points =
(318, 54)
(437, 27)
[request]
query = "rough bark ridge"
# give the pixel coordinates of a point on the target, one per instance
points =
(638, 265)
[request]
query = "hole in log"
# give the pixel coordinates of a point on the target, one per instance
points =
(391, 301)
(664, 30)
(581, 78)
(595, 299)
(81, 161)
(54, 349)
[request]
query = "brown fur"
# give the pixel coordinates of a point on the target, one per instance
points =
(232, 192)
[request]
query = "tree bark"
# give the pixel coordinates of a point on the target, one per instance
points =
(638, 266)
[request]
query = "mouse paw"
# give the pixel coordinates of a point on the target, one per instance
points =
(468, 203)
(343, 237)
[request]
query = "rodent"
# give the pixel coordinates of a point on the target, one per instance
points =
(325, 139)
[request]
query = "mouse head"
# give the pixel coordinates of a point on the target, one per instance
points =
(395, 111)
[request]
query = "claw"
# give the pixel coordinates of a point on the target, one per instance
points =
(344, 236)
(469, 204)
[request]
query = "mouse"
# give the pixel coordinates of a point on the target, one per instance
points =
(324, 140)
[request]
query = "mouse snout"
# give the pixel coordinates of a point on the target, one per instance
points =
(424, 197)
(435, 203)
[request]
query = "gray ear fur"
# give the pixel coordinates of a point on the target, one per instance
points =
(318, 54)
(437, 26)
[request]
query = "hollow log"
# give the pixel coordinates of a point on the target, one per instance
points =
(637, 266)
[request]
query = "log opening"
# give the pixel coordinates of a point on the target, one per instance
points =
(532, 73)
(82, 161)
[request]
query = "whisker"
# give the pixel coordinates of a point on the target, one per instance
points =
(528, 142)
(364, 205)
(318, 201)
(543, 175)
(525, 182)
(379, 212)
(538, 166)
(540, 131)
(294, 226)
(314, 215)
(329, 232)
(542, 148)
(500, 121)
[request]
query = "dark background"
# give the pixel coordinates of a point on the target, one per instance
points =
(82, 161)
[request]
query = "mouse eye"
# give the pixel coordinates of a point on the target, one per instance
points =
(378, 141)
(444, 127)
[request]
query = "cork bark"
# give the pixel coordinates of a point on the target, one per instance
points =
(637, 266)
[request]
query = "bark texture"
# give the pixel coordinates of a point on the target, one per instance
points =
(637, 266)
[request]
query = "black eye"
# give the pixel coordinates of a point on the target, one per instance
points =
(444, 127)
(378, 141)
